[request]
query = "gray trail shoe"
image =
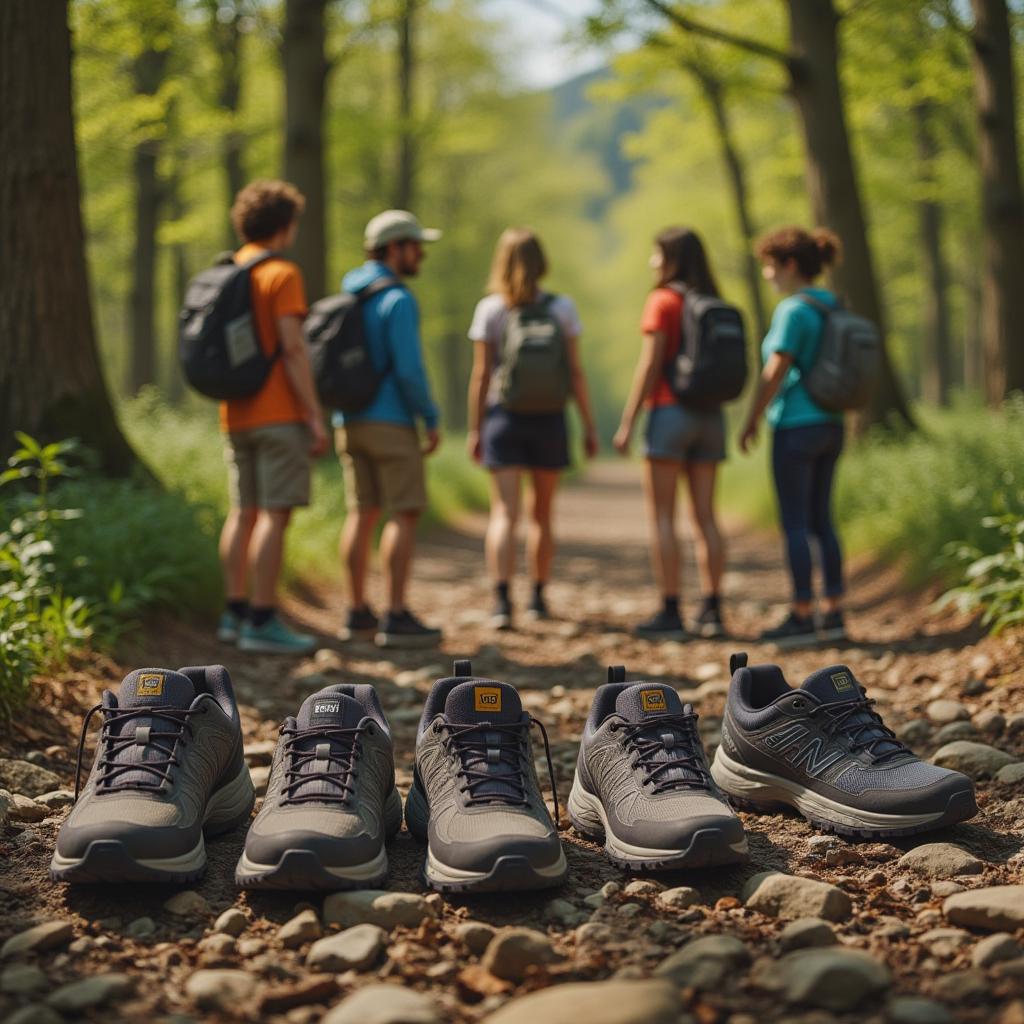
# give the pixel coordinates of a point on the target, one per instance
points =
(643, 784)
(331, 800)
(168, 768)
(475, 797)
(823, 750)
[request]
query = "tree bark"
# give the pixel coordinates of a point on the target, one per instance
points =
(1002, 293)
(305, 81)
(51, 384)
(405, 178)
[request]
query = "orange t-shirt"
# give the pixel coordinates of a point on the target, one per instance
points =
(663, 312)
(277, 291)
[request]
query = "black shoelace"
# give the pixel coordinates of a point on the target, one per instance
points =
(863, 735)
(647, 741)
(110, 771)
(341, 759)
(474, 744)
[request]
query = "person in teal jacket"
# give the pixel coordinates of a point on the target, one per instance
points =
(807, 440)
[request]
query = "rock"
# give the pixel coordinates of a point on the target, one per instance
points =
(679, 898)
(778, 895)
(940, 860)
(831, 979)
(563, 912)
(24, 808)
(592, 931)
(642, 887)
(596, 1002)
(316, 989)
(806, 933)
(217, 947)
(6, 802)
(87, 992)
(943, 712)
(990, 722)
(21, 979)
(141, 928)
(260, 776)
(220, 989)
(187, 904)
(703, 963)
(386, 909)
(956, 731)
(251, 947)
(978, 760)
(513, 950)
(1015, 723)
(259, 752)
(996, 908)
(916, 731)
(357, 948)
(25, 777)
(384, 1004)
(475, 936)
(944, 888)
(914, 1010)
(302, 928)
(963, 986)
(944, 942)
(231, 922)
(994, 948)
(48, 935)
(35, 1013)
(56, 798)
(1011, 773)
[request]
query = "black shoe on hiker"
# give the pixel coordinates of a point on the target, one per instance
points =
(360, 625)
(795, 631)
(537, 609)
(501, 617)
(832, 627)
(666, 625)
(403, 629)
(709, 623)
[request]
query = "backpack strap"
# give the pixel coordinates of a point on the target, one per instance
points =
(382, 284)
(262, 257)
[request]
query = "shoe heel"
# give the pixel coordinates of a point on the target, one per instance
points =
(230, 805)
(585, 819)
(744, 789)
(417, 813)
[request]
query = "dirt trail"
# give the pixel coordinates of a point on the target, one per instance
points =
(905, 656)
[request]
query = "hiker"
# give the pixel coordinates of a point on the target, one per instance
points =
(526, 365)
(680, 439)
(380, 448)
(807, 439)
(272, 436)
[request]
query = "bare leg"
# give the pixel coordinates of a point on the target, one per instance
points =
(397, 544)
(710, 544)
(660, 481)
(266, 551)
(234, 551)
(540, 539)
(356, 535)
(500, 542)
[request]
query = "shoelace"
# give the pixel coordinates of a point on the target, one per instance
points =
(646, 747)
(109, 770)
(342, 777)
(839, 714)
(473, 751)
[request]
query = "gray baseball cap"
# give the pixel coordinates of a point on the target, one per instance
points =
(397, 226)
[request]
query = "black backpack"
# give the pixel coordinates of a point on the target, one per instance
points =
(343, 371)
(218, 345)
(711, 366)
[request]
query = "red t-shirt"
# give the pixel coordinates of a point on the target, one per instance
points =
(663, 312)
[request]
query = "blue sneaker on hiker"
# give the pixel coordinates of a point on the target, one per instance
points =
(274, 637)
(230, 627)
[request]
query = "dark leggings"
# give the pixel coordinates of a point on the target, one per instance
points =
(804, 462)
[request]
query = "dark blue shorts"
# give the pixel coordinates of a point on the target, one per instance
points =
(517, 440)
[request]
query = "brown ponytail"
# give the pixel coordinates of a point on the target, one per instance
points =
(812, 251)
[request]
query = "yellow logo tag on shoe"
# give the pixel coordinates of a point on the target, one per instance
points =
(150, 685)
(487, 698)
(842, 681)
(653, 700)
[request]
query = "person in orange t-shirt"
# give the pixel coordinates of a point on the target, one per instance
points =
(680, 441)
(271, 437)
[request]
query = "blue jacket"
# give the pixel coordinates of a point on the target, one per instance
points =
(393, 336)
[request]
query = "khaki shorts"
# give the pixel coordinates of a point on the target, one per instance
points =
(383, 466)
(269, 467)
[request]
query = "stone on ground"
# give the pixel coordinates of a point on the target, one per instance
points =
(995, 948)
(24, 808)
(703, 963)
(996, 908)
(513, 951)
(231, 922)
(34, 1013)
(25, 777)
(945, 711)
(48, 935)
(831, 979)
(978, 760)
(384, 1004)
(596, 1002)
(475, 936)
(915, 1010)
(88, 992)
(141, 928)
(187, 904)
(1013, 774)
(220, 989)
(678, 898)
(357, 948)
(302, 928)
(385, 909)
(21, 979)
(941, 860)
(807, 933)
(790, 896)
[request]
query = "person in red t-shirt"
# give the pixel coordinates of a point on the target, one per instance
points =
(679, 441)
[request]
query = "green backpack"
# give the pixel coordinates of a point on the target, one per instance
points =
(534, 374)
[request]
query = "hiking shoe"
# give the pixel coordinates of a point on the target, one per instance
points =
(229, 627)
(643, 786)
(825, 751)
(794, 631)
(709, 623)
(475, 796)
(168, 768)
(361, 624)
(274, 637)
(403, 629)
(501, 617)
(663, 626)
(832, 627)
(331, 801)
(537, 610)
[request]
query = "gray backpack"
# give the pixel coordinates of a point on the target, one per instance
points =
(844, 373)
(533, 375)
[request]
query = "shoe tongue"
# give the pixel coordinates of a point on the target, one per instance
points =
(156, 687)
(483, 700)
(333, 754)
(645, 700)
(330, 707)
(835, 683)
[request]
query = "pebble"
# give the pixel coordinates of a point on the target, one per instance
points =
(385, 1004)
(678, 898)
(187, 904)
(917, 730)
(231, 922)
(945, 711)
(48, 935)
(596, 1002)
(594, 932)
(831, 979)
(978, 760)
(779, 895)
(56, 798)
(963, 986)
(302, 928)
(1011, 773)
(703, 963)
(21, 979)
(1015, 723)
(944, 888)
(513, 951)
(990, 721)
(475, 936)
(24, 808)
(915, 1010)
(251, 947)
(806, 933)
(35, 1013)
(940, 860)
(945, 942)
(995, 948)
(220, 989)
(87, 992)
(141, 928)
(996, 908)
(6, 800)
(642, 887)
(218, 946)
(366, 906)
(357, 949)
(956, 731)
(25, 777)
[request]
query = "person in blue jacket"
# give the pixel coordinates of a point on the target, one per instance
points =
(807, 439)
(381, 449)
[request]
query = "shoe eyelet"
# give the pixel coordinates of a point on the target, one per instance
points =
(798, 704)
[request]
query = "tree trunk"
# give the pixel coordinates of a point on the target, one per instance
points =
(305, 82)
(405, 178)
(175, 380)
(936, 350)
(227, 43)
(1002, 293)
(832, 180)
(51, 384)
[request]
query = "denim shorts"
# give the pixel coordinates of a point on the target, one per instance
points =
(519, 440)
(678, 434)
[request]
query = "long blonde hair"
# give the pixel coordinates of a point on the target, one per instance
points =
(518, 265)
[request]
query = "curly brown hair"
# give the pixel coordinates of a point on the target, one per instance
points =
(812, 250)
(263, 208)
